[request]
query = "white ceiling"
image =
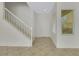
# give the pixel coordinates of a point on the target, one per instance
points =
(42, 7)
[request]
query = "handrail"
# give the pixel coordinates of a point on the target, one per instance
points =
(18, 23)
(18, 18)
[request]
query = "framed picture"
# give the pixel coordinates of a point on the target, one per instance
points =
(67, 21)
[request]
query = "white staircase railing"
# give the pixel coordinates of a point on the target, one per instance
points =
(18, 23)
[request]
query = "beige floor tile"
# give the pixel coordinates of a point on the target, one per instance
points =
(41, 47)
(3, 51)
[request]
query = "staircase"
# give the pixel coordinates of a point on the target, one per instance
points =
(18, 24)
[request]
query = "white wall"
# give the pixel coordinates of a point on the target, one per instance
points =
(53, 29)
(68, 41)
(42, 25)
(1, 10)
(42, 7)
(54, 24)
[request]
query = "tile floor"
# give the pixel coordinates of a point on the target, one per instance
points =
(41, 47)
